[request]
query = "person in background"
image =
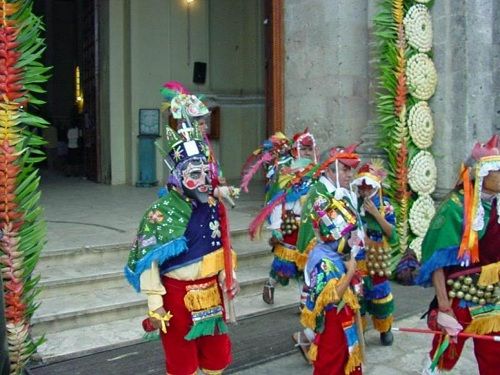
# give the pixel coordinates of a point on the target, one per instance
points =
(74, 151)
(379, 220)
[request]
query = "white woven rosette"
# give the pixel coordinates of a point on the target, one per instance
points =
(418, 28)
(423, 173)
(421, 125)
(422, 76)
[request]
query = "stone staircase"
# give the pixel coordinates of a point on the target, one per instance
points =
(86, 304)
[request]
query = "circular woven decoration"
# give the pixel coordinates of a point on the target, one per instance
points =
(418, 28)
(421, 125)
(421, 75)
(423, 1)
(421, 213)
(422, 175)
(416, 246)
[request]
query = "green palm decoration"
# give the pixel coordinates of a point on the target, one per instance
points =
(21, 74)
(395, 99)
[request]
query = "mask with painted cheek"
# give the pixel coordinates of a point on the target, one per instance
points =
(196, 181)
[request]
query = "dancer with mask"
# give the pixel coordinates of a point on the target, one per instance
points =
(182, 259)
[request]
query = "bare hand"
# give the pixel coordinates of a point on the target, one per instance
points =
(369, 207)
(235, 288)
(156, 322)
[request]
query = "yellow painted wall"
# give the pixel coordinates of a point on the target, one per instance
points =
(150, 43)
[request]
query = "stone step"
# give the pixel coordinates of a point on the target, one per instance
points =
(78, 341)
(87, 305)
(90, 256)
(62, 279)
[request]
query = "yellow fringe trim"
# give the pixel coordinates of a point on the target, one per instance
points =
(484, 325)
(201, 299)
(328, 295)
(382, 325)
(381, 301)
(490, 274)
(312, 354)
(213, 263)
(301, 261)
(361, 267)
(354, 360)
(285, 253)
(211, 372)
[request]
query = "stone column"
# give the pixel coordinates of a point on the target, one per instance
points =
(464, 104)
(326, 69)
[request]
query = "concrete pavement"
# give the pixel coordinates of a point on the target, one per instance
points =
(406, 357)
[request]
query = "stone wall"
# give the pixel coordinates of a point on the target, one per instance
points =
(326, 69)
(330, 84)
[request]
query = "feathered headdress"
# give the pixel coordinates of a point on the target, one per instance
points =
(187, 140)
(272, 153)
(484, 159)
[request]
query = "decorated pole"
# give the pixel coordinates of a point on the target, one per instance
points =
(460, 334)
(23, 230)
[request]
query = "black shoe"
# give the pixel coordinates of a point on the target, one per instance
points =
(386, 338)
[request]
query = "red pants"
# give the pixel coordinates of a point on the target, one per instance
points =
(487, 352)
(184, 357)
(332, 345)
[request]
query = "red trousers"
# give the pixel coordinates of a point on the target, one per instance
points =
(487, 352)
(184, 357)
(333, 353)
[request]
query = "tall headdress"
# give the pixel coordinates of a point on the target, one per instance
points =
(484, 159)
(187, 141)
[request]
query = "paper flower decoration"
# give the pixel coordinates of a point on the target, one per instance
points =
(416, 246)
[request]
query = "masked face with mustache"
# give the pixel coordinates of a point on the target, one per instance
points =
(196, 183)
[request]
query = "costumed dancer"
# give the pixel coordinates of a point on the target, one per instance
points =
(379, 220)
(284, 220)
(331, 311)
(182, 259)
(461, 259)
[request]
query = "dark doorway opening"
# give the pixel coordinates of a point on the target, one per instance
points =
(72, 97)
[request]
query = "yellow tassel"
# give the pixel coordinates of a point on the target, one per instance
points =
(484, 325)
(351, 300)
(489, 274)
(328, 295)
(353, 361)
(308, 318)
(285, 253)
(382, 325)
(201, 299)
(312, 354)
(301, 261)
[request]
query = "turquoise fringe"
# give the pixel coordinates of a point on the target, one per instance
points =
(159, 254)
(441, 258)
